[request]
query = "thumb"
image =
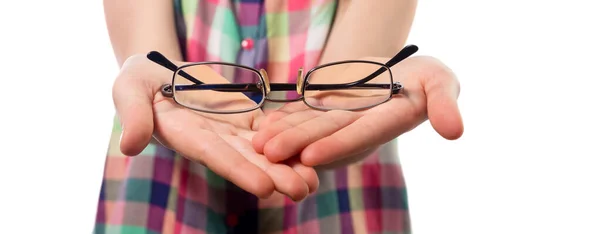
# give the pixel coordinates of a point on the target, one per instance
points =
(442, 89)
(133, 95)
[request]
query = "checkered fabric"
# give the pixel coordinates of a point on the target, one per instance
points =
(159, 191)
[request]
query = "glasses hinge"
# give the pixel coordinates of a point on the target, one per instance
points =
(397, 87)
(166, 90)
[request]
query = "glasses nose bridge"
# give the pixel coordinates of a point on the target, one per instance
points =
(299, 81)
(284, 87)
(265, 76)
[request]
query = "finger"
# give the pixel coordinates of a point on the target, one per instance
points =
(286, 180)
(271, 118)
(177, 129)
(309, 174)
(366, 132)
(133, 94)
(284, 111)
(442, 90)
(293, 140)
(285, 122)
(422, 77)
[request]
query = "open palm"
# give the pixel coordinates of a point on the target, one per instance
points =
(220, 142)
(322, 138)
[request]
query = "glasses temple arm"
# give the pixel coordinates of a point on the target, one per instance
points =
(406, 52)
(160, 59)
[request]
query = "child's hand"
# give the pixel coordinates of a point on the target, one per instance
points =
(320, 138)
(220, 142)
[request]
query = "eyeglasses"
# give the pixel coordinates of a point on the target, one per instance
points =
(226, 88)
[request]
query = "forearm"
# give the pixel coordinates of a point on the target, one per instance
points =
(363, 28)
(366, 28)
(139, 26)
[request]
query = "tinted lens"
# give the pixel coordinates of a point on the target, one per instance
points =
(218, 88)
(348, 86)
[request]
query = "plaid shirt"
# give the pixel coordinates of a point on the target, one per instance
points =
(159, 191)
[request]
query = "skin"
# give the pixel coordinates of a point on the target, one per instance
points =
(351, 38)
(357, 22)
(221, 144)
(247, 149)
(138, 26)
(337, 138)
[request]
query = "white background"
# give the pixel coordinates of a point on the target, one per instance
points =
(528, 161)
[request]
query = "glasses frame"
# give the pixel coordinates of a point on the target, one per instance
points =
(167, 89)
(266, 87)
(392, 84)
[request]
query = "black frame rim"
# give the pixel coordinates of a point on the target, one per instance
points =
(258, 106)
(395, 87)
(307, 76)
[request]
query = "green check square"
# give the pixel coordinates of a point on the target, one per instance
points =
(138, 190)
(405, 199)
(100, 228)
(356, 199)
(121, 229)
(173, 198)
(189, 7)
(327, 204)
(116, 124)
(214, 222)
(249, 30)
(135, 230)
(225, 23)
(323, 16)
(229, 23)
(277, 25)
(229, 52)
(149, 150)
(214, 180)
(112, 229)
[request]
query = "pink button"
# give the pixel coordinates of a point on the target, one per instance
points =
(248, 44)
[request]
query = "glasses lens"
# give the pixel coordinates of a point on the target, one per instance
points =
(348, 86)
(218, 88)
